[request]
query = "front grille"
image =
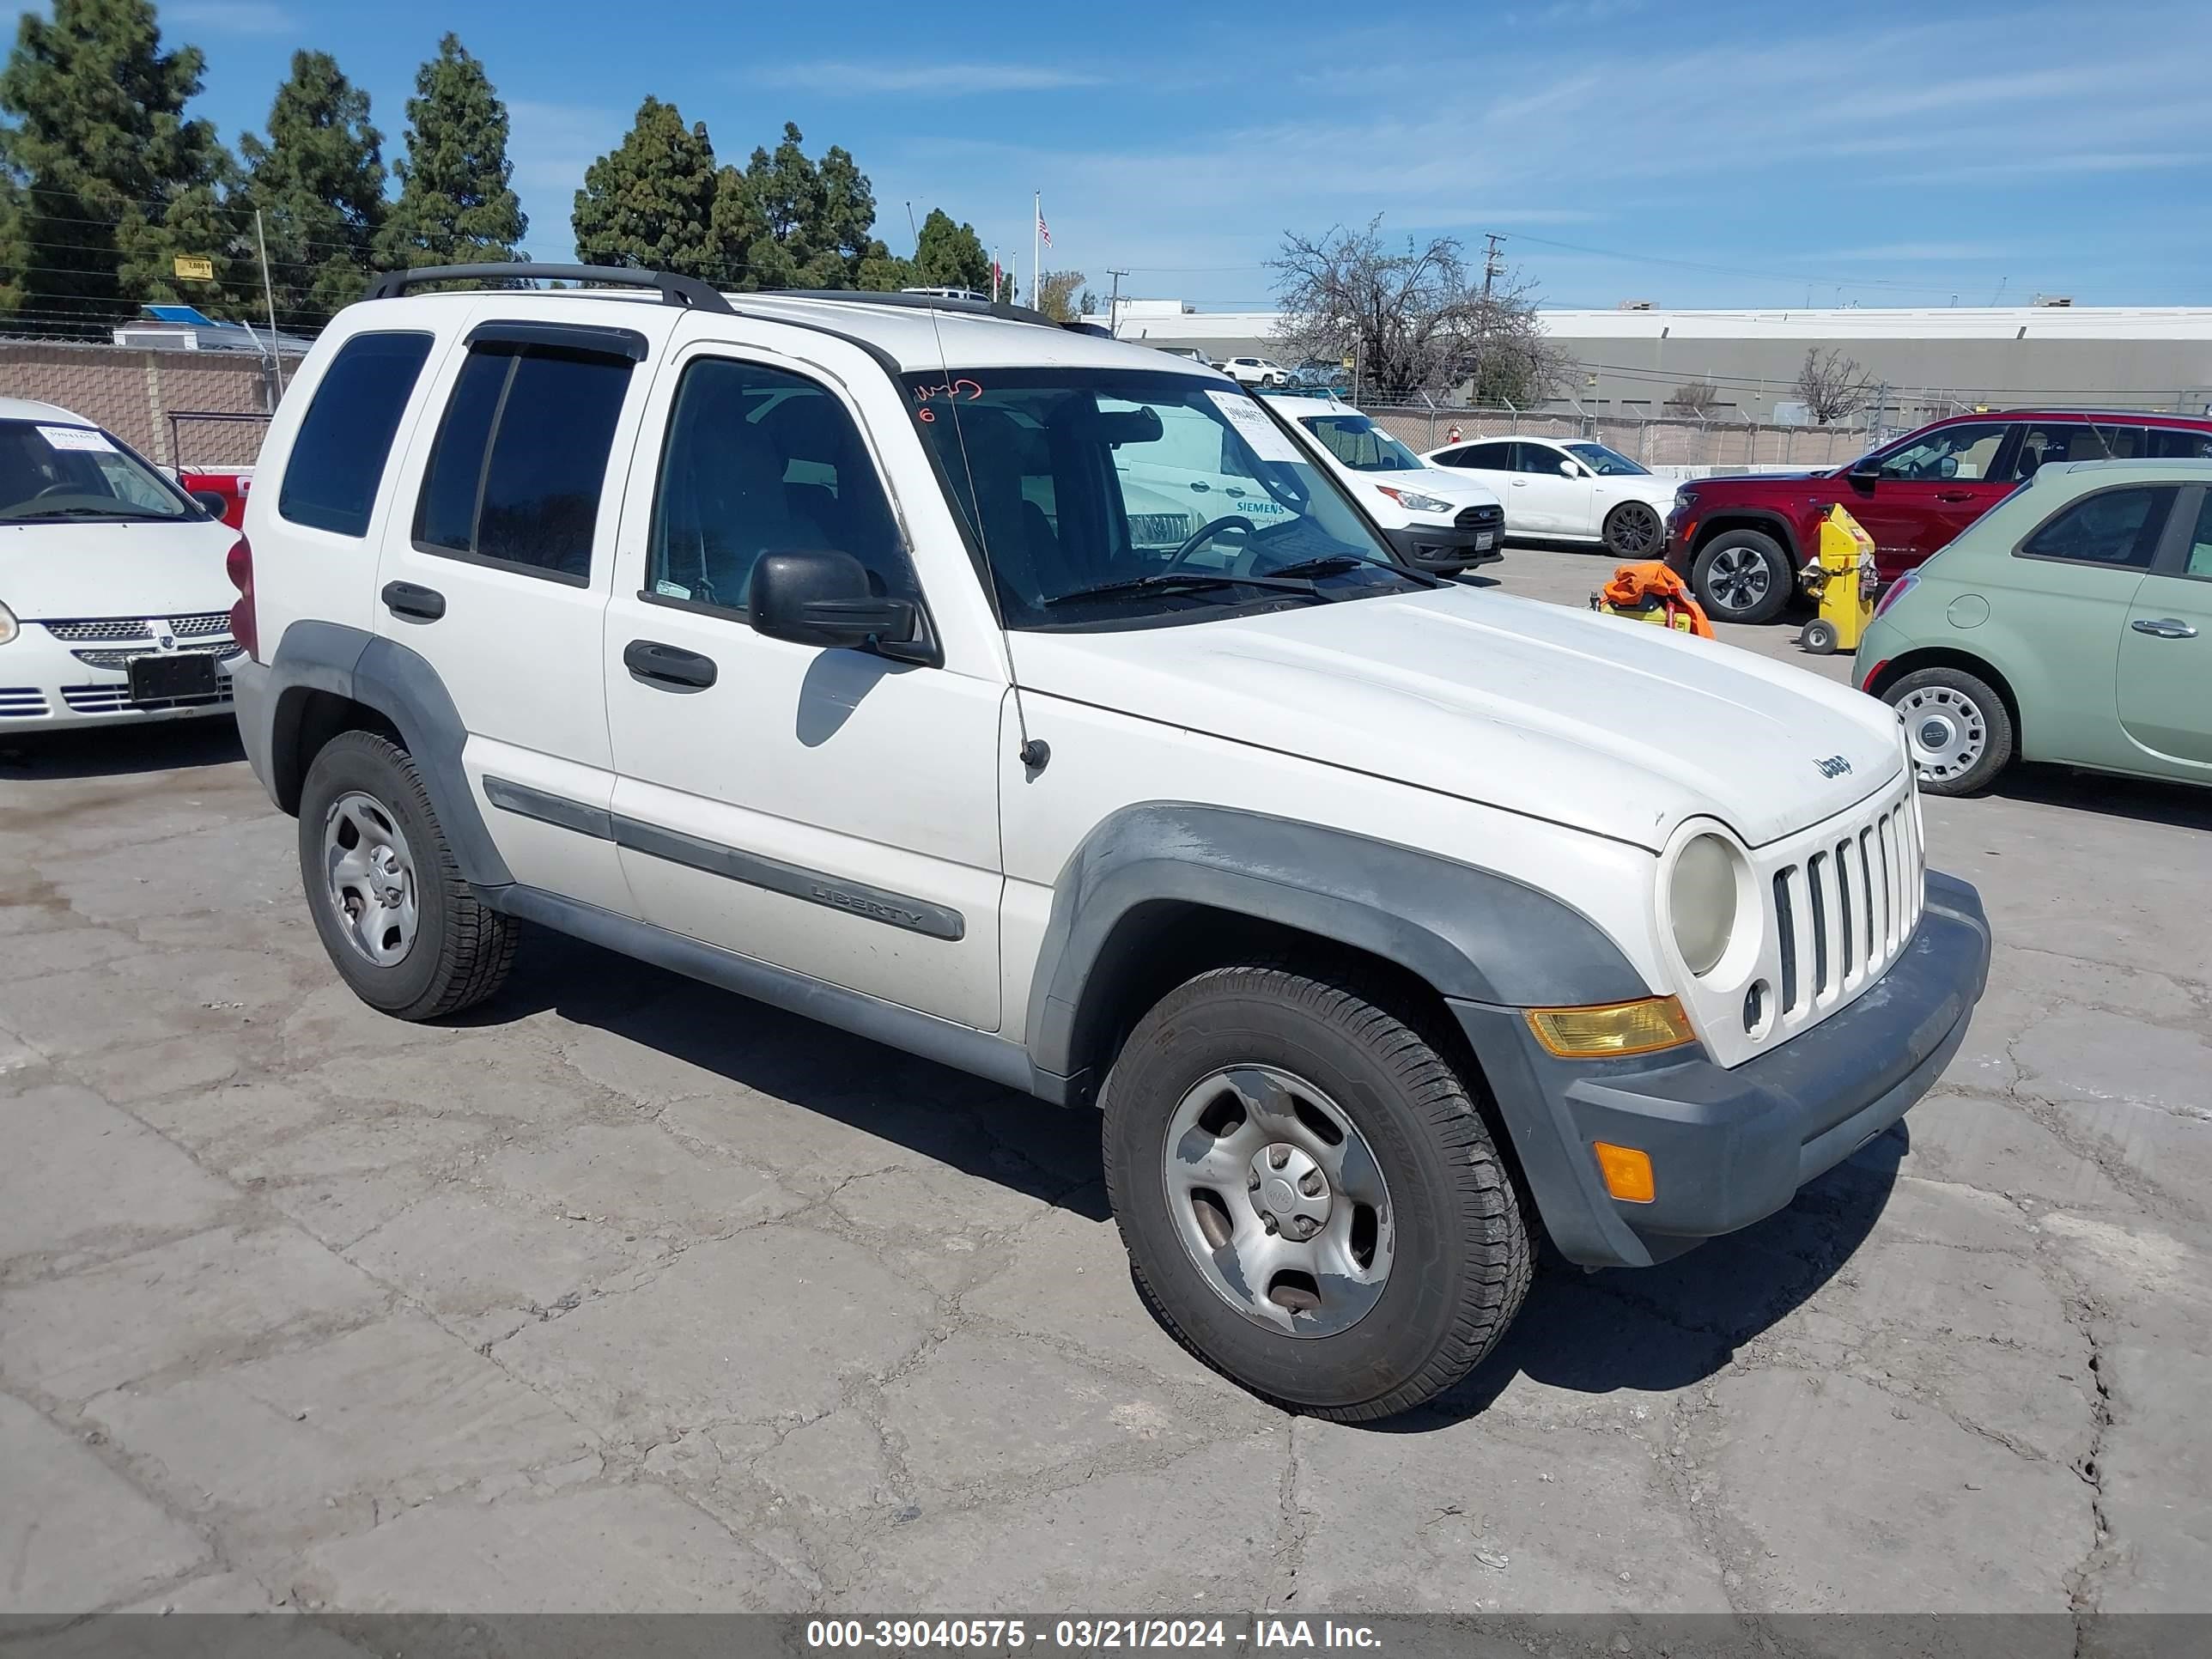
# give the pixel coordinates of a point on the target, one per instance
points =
(1480, 517)
(102, 627)
(115, 698)
(21, 703)
(199, 627)
(221, 650)
(1843, 911)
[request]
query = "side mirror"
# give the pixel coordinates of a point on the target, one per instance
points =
(1571, 469)
(1864, 471)
(821, 597)
(211, 501)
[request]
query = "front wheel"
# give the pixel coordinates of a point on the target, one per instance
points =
(1633, 531)
(1311, 1201)
(1959, 729)
(1742, 576)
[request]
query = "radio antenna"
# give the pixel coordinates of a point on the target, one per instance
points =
(974, 514)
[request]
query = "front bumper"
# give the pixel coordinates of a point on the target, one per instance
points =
(1729, 1147)
(1444, 549)
(47, 683)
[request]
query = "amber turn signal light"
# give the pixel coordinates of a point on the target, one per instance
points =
(1627, 1172)
(1617, 1028)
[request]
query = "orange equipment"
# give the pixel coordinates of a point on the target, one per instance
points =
(1651, 592)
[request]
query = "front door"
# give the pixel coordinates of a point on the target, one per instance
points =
(830, 812)
(1925, 492)
(2166, 654)
(1541, 496)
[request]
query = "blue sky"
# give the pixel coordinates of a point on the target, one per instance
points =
(1713, 154)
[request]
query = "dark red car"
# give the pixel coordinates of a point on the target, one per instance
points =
(1741, 541)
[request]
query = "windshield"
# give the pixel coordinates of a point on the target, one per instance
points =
(1118, 497)
(1361, 445)
(53, 473)
(1607, 462)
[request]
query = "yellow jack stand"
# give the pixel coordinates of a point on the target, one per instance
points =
(1840, 579)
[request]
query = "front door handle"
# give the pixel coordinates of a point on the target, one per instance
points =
(667, 666)
(407, 599)
(2164, 627)
(1954, 495)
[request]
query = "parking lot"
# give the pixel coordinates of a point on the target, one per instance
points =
(623, 1293)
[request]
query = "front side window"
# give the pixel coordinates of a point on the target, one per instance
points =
(521, 455)
(51, 473)
(337, 464)
(1105, 498)
(2116, 527)
(1968, 450)
(1540, 459)
(757, 461)
(1361, 444)
(1607, 462)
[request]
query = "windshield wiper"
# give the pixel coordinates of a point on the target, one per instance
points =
(1335, 564)
(1169, 581)
(96, 513)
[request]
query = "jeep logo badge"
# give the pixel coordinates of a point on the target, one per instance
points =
(1834, 767)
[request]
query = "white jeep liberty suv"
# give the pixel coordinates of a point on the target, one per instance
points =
(859, 653)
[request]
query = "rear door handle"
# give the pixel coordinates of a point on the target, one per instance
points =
(407, 599)
(2164, 627)
(668, 667)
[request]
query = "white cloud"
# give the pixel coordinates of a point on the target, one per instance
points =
(233, 16)
(941, 80)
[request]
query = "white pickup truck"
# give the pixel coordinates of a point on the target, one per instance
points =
(860, 654)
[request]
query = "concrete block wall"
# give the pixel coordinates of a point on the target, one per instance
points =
(132, 394)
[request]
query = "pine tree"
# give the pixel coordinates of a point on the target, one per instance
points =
(108, 183)
(317, 182)
(456, 205)
(789, 222)
(946, 255)
(651, 201)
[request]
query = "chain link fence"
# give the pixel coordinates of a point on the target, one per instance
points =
(1660, 442)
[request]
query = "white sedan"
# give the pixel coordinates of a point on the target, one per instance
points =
(113, 602)
(1569, 487)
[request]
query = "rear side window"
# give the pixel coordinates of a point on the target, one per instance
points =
(337, 463)
(521, 455)
(2119, 527)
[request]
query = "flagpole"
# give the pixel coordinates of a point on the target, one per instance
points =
(1036, 230)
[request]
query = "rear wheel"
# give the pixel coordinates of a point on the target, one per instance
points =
(1311, 1198)
(1742, 576)
(1633, 531)
(1959, 729)
(401, 926)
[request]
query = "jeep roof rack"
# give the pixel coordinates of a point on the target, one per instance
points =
(1000, 309)
(675, 290)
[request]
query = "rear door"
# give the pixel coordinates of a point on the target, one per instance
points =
(2166, 654)
(497, 559)
(1931, 488)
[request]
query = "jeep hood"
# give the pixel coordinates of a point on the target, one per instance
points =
(1612, 727)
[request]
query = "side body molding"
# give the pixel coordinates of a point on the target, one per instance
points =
(402, 686)
(1471, 933)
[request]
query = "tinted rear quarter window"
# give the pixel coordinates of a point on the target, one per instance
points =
(337, 464)
(2116, 527)
(520, 458)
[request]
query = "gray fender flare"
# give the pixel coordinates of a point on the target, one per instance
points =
(1471, 933)
(401, 685)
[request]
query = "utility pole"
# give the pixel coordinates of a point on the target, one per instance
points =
(1491, 271)
(269, 293)
(1113, 301)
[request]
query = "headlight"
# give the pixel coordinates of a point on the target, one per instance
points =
(8, 627)
(1682, 496)
(1701, 900)
(1414, 502)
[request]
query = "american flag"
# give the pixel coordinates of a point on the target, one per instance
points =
(1044, 233)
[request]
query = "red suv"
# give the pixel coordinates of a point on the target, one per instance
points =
(1741, 540)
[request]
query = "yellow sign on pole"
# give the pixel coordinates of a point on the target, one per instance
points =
(196, 270)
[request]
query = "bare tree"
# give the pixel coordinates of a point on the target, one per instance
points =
(1056, 294)
(1832, 385)
(1694, 398)
(1411, 317)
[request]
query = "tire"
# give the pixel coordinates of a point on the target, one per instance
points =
(1818, 636)
(1306, 1050)
(437, 950)
(1742, 576)
(1960, 730)
(1635, 530)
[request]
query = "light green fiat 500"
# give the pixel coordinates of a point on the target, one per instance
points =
(2072, 623)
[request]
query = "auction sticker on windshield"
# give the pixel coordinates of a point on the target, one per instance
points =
(1269, 441)
(76, 437)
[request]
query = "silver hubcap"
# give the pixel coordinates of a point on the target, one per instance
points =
(1279, 1201)
(1946, 731)
(371, 874)
(1635, 529)
(1739, 578)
